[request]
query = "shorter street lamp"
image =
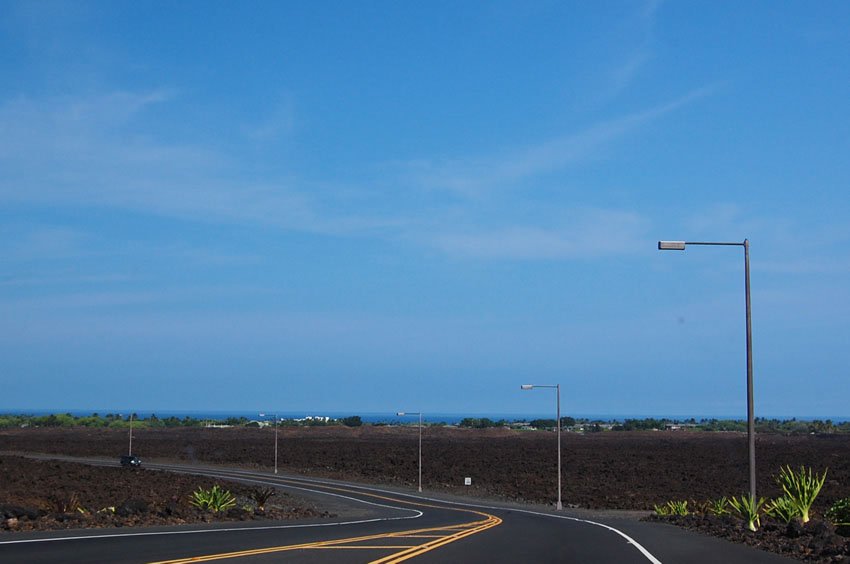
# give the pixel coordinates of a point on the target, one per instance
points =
(419, 413)
(274, 424)
(557, 388)
(130, 450)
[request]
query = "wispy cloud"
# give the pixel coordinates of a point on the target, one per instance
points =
(475, 176)
(813, 265)
(106, 298)
(779, 244)
(590, 233)
(89, 151)
(280, 121)
(27, 242)
(641, 52)
(625, 73)
(62, 278)
(721, 218)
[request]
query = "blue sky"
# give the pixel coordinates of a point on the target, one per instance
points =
(375, 206)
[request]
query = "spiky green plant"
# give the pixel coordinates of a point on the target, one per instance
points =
(783, 509)
(66, 503)
(672, 508)
(698, 507)
(661, 510)
(214, 499)
(261, 496)
(718, 506)
(678, 507)
(748, 508)
(801, 488)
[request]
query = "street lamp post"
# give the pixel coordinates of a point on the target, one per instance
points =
(130, 450)
(557, 388)
(751, 428)
(419, 413)
(274, 424)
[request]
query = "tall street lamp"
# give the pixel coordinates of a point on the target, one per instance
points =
(751, 428)
(557, 387)
(274, 424)
(419, 413)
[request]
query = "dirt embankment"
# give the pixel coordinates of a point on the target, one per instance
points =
(52, 494)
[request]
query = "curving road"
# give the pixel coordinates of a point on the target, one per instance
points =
(383, 526)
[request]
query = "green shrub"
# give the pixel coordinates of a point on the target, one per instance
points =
(678, 507)
(672, 508)
(782, 508)
(214, 499)
(718, 506)
(66, 503)
(748, 508)
(261, 496)
(839, 515)
(801, 488)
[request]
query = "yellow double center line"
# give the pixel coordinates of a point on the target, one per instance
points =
(439, 536)
(467, 529)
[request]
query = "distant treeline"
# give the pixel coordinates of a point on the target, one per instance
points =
(115, 420)
(763, 425)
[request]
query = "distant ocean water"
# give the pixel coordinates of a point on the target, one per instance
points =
(375, 417)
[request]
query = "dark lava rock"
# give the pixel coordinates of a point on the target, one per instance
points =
(10, 524)
(238, 513)
(770, 527)
(134, 506)
(143, 499)
(171, 508)
(826, 546)
(794, 529)
(824, 541)
(66, 517)
(17, 512)
(820, 528)
(814, 542)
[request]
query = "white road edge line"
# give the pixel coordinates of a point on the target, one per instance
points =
(628, 539)
(198, 531)
(416, 515)
(649, 556)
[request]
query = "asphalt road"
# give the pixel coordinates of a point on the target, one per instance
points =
(383, 526)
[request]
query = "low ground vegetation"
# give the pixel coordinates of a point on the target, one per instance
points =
(839, 515)
(216, 499)
(783, 524)
(118, 421)
(44, 495)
